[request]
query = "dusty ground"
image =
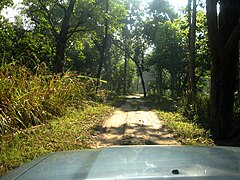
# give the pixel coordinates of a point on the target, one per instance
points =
(133, 124)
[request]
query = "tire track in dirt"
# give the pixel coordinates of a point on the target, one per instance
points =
(133, 124)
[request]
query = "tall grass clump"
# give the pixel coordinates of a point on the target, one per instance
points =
(199, 111)
(28, 98)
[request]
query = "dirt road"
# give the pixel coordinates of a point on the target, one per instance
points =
(133, 124)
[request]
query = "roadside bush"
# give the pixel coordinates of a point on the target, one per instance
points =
(198, 112)
(203, 110)
(28, 99)
(163, 103)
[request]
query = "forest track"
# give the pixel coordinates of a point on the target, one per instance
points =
(132, 124)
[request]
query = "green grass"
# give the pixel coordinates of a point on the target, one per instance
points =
(189, 133)
(41, 112)
(70, 132)
(28, 98)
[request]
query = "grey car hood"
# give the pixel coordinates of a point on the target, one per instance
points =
(135, 162)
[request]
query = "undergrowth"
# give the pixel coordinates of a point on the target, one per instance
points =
(70, 132)
(189, 133)
(28, 98)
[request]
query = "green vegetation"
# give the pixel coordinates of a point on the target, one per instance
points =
(28, 99)
(42, 113)
(59, 56)
(188, 131)
(70, 132)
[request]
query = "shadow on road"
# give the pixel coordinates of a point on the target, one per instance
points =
(133, 124)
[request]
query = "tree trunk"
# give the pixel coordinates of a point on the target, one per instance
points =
(189, 9)
(125, 74)
(142, 81)
(61, 40)
(58, 64)
(103, 48)
(139, 67)
(143, 85)
(191, 76)
(99, 69)
(141, 77)
(179, 84)
(160, 82)
(224, 37)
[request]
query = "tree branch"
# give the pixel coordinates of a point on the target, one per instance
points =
(78, 30)
(48, 17)
(75, 29)
(61, 6)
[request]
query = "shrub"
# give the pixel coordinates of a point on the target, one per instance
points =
(198, 112)
(29, 99)
(203, 110)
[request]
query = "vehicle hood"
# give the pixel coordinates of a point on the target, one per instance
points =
(135, 162)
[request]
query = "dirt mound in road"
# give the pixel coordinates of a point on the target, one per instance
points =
(133, 124)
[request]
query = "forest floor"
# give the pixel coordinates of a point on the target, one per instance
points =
(133, 124)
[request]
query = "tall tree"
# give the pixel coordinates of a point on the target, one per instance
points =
(168, 56)
(133, 40)
(224, 36)
(103, 46)
(192, 55)
(109, 23)
(126, 49)
(138, 59)
(62, 37)
(62, 19)
(159, 12)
